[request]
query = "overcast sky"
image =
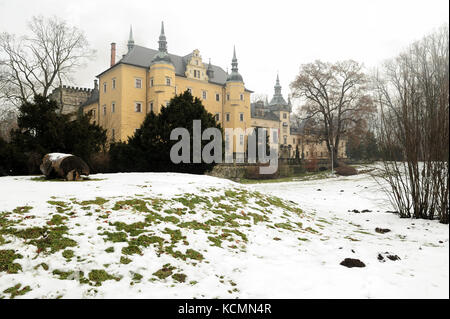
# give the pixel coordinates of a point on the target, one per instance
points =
(270, 36)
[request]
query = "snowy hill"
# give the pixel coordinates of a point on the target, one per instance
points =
(150, 235)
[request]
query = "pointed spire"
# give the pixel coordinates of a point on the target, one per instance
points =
(234, 75)
(234, 62)
(277, 86)
(130, 39)
(162, 56)
(162, 39)
(277, 99)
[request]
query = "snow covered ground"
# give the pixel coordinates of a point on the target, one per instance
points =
(161, 235)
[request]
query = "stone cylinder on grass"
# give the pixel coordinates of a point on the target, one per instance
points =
(66, 166)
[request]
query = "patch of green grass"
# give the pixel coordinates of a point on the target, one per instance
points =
(68, 254)
(58, 203)
(171, 219)
(194, 225)
(115, 237)
(124, 260)
(164, 272)
(22, 209)
(7, 263)
(311, 230)
(109, 250)
(99, 275)
(17, 291)
(137, 277)
(131, 250)
(179, 277)
(137, 204)
(63, 275)
(193, 254)
(216, 241)
(57, 220)
(283, 226)
(29, 233)
(97, 201)
(146, 241)
(133, 229)
(43, 265)
(54, 240)
(237, 232)
(175, 235)
(257, 218)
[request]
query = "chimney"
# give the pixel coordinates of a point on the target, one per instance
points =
(113, 54)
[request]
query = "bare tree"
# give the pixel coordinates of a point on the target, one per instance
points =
(413, 95)
(35, 64)
(256, 97)
(336, 96)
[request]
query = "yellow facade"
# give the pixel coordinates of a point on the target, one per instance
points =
(145, 80)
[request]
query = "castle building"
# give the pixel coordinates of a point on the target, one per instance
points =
(291, 138)
(144, 80)
(70, 98)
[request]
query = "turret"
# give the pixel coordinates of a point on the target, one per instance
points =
(234, 76)
(161, 76)
(162, 56)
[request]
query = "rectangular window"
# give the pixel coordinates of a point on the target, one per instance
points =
(151, 82)
(104, 87)
(137, 83)
(284, 115)
(241, 117)
(104, 109)
(228, 97)
(138, 107)
(168, 81)
(150, 107)
(217, 97)
(217, 116)
(204, 95)
(293, 141)
(228, 117)
(285, 139)
(242, 97)
(113, 107)
(113, 84)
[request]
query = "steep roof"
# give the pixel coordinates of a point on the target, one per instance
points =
(142, 57)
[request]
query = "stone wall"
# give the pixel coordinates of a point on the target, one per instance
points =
(72, 98)
(250, 171)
